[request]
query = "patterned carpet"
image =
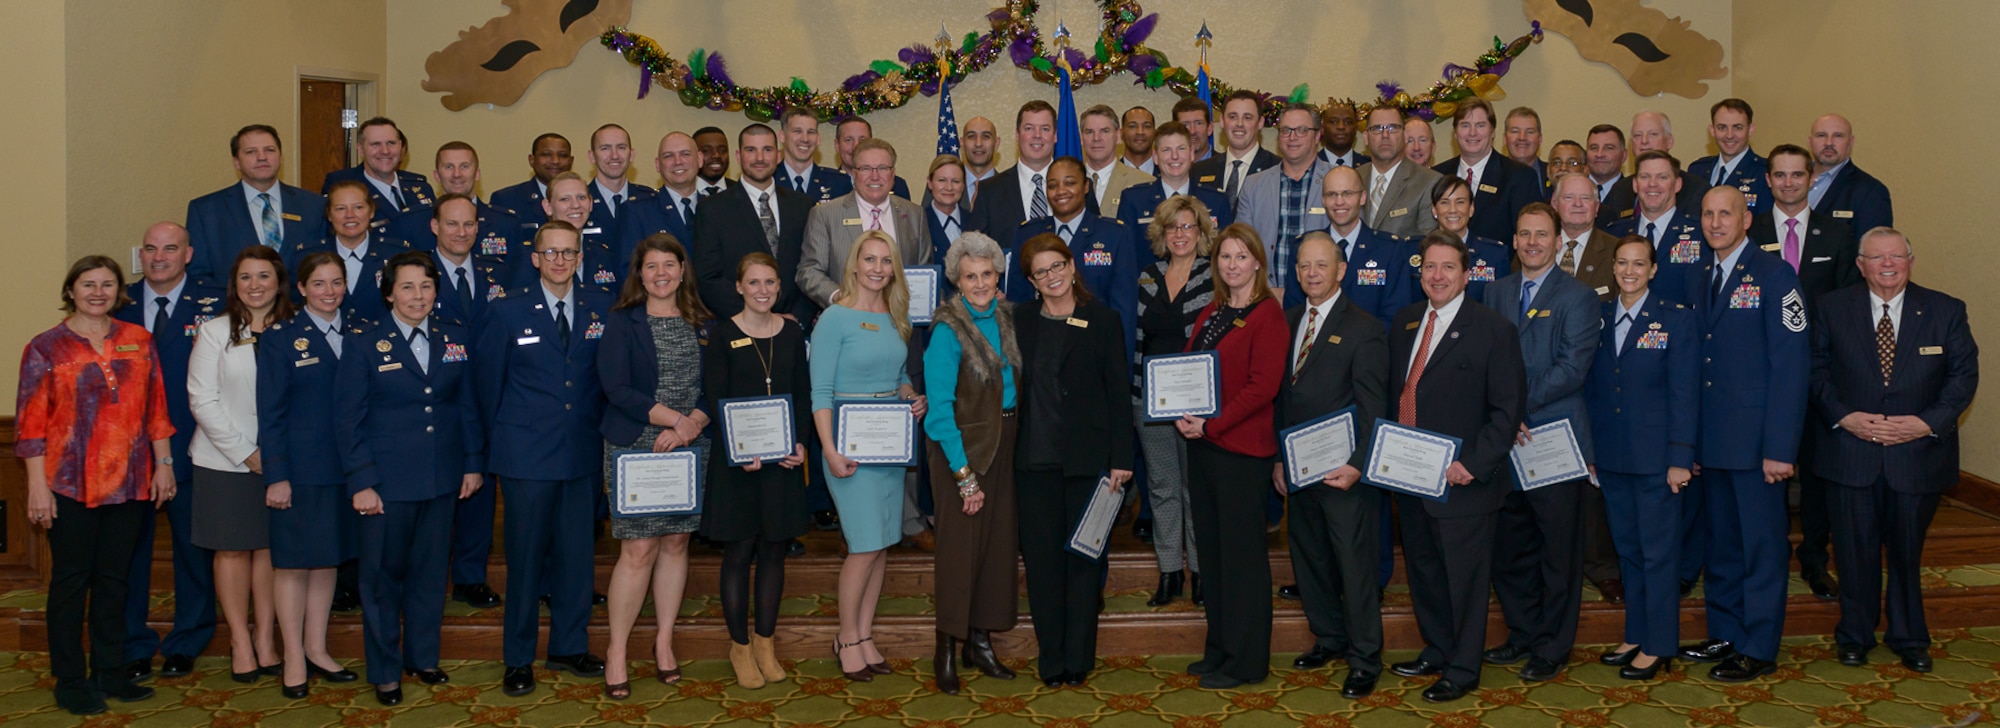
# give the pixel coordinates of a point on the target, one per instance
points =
(1810, 689)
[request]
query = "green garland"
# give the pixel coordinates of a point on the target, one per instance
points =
(703, 79)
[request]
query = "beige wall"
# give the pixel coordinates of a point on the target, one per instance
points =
(1909, 76)
(824, 41)
(31, 44)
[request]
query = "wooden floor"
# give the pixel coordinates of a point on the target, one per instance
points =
(1966, 531)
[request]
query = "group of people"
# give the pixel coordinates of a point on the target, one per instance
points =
(319, 385)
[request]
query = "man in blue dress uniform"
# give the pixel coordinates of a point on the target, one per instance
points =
(610, 192)
(468, 284)
(500, 239)
(548, 157)
(1730, 124)
(396, 193)
(672, 209)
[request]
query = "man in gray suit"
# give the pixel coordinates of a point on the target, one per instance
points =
(1283, 202)
(1538, 557)
(833, 225)
(1399, 195)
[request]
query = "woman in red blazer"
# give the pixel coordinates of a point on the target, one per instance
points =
(1229, 460)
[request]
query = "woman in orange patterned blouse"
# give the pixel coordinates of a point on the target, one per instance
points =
(90, 401)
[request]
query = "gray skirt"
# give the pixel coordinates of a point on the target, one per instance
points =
(229, 512)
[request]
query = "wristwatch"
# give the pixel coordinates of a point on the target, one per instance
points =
(167, 460)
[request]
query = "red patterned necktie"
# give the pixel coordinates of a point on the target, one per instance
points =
(1406, 406)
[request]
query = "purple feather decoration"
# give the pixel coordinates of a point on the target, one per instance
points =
(1077, 60)
(716, 71)
(1389, 89)
(1500, 69)
(621, 41)
(857, 81)
(1142, 64)
(1140, 30)
(1022, 49)
(1453, 70)
(916, 54)
(928, 89)
(645, 81)
(999, 16)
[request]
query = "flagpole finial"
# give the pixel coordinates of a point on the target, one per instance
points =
(943, 37)
(1202, 37)
(1062, 34)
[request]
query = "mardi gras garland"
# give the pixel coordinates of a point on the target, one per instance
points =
(703, 79)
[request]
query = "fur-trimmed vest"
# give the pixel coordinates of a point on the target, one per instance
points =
(979, 393)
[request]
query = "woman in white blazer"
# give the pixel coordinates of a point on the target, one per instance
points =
(229, 501)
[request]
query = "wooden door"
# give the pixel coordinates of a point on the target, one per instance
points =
(323, 143)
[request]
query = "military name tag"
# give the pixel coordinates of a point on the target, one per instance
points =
(526, 340)
(1843, 213)
(1146, 220)
(305, 362)
(389, 367)
(592, 230)
(1208, 178)
(1603, 290)
(1773, 247)
(1930, 350)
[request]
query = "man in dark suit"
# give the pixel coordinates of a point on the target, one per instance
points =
(1500, 186)
(672, 209)
(1894, 365)
(396, 192)
(1822, 250)
(731, 225)
(1678, 251)
(1019, 193)
(1340, 359)
(259, 210)
(1337, 124)
(1730, 124)
(1538, 561)
(1841, 190)
(170, 303)
(1243, 152)
(1399, 195)
(1753, 409)
(1523, 142)
(548, 156)
(1604, 157)
(1456, 369)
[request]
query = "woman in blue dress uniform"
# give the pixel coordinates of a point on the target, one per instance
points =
(1451, 203)
(1643, 396)
(859, 346)
(411, 443)
(312, 527)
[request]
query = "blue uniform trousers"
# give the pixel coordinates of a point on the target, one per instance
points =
(194, 587)
(1645, 518)
(472, 536)
(548, 541)
(1749, 560)
(403, 553)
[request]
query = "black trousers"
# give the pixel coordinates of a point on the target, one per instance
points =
(1226, 500)
(1868, 522)
(1600, 550)
(90, 555)
(1449, 561)
(1538, 566)
(1815, 520)
(1064, 589)
(1336, 543)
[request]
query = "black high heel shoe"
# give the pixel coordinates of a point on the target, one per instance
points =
(296, 692)
(879, 668)
(861, 675)
(1660, 664)
(334, 676)
(1615, 658)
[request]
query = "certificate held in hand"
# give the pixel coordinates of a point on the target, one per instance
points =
(654, 483)
(924, 292)
(1553, 456)
(876, 431)
(1412, 461)
(1313, 449)
(1093, 530)
(1182, 384)
(755, 428)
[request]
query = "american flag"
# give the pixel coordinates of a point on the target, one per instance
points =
(947, 122)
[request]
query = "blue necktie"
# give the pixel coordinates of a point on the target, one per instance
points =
(1527, 296)
(274, 231)
(687, 212)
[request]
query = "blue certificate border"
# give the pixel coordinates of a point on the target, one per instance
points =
(842, 407)
(1442, 486)
(692, 456)
(1214, 385)
(784, 404)
(1295, 482)
(1076, 544)
(1522, 482)
(934, 276)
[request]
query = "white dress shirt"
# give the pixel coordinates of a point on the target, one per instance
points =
(353, 259)
(1445, 315)
(1026, 178)
(257, 208)
(1318, 325)
(871, 214)
(152, 309)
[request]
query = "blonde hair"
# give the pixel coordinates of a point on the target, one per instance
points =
(896, 295)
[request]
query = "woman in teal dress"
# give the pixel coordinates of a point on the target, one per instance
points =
(859, 346)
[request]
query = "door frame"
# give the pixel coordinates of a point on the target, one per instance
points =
(364, 93)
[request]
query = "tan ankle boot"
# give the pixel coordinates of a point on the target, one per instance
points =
(747, 674)
(766, 653)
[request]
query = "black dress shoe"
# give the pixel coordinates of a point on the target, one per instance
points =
(1660, 664)
(1358, 686)
(1289, 591)
(432, 676)
(1742, 668)
(1506, 654)
(124, 690)
(1199, 668)
(479, 596)
(1852, 655)
(1615, 658)
(1417, 668)
(1540, 670)
(597, 599)
(80, 701)
(346, 601)
(795, 547)
(1142, 529)
(1821, 583)
(391, 697)
(176, 666)
(1687, 588)
(1918, 659)
(518, 681)
(1075, 679)
(1443, 691)
(1053, 681)
(826, 520)
(1194, 589)
(139, 670)
(333, 676)
(1613, 591)
(583, 664)
(1221, 681)
(1168, 590)
(1708, 651)
(1314, 659)
(296, 692)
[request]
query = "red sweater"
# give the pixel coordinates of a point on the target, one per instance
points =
(1253, 360)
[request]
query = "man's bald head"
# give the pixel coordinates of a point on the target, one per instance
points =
(164, 254)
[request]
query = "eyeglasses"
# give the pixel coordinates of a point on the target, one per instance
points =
(1384, 128)
(1058, 268)
(1296, 131)
(1186, 227)
(873, 170)
(559, 254)
(1343, 194)
(1891, 258)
